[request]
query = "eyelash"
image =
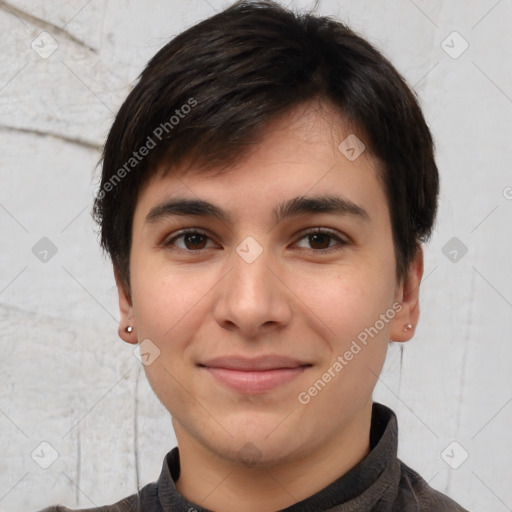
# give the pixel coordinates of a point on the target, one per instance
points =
(321, 231)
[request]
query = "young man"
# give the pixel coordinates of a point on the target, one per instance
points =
(266, 189)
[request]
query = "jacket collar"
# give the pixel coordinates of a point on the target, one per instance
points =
(375, 478)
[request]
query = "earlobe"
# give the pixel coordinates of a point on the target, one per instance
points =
(405, 321)
(126, 329)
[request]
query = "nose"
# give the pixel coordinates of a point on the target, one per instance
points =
(252, 299)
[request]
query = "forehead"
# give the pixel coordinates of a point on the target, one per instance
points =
(308, 151)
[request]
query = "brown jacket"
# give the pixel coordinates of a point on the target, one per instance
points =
(379, 483)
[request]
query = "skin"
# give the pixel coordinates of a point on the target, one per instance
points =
(198, 300)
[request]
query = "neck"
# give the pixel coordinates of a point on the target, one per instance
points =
(224, 486)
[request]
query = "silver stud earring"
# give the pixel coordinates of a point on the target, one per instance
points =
(129, 329)
(408, 327)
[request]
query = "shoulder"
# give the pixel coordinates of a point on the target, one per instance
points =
(145, 499)
(414, 493)
(128, 504)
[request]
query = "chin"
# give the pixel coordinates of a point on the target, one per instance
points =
(260, 427)
(265, 444)
(257, 454)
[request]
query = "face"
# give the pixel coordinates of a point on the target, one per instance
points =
(269, 291)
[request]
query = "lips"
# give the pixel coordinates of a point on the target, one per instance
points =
(254, 375)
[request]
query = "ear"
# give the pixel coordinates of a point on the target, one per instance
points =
(125, 310)
(408, 295)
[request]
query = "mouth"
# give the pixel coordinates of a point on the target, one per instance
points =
(254, 375)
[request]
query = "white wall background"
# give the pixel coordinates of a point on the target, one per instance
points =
(67, 379)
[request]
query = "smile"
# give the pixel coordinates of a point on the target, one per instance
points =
(254, 375)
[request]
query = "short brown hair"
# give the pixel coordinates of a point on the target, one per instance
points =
(210, 92)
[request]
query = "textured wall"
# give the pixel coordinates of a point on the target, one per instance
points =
(65, 377)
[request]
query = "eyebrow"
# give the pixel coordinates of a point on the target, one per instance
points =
(293, 207)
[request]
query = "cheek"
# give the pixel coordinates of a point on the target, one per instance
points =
(351, 306)
(167, 299)
(167, 307)
(347, 300)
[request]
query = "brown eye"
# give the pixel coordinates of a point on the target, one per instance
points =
(319, 240)
(194, 241)
(191, 241)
